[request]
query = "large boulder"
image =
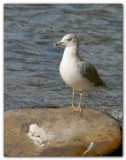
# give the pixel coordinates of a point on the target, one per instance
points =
(90, 133)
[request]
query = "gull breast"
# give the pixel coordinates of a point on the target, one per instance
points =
(71, 75)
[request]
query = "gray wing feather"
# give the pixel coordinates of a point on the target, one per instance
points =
(89, 72)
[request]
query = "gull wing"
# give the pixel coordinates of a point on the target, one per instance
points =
(89, 72)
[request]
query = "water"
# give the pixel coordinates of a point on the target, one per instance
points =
(31, 68)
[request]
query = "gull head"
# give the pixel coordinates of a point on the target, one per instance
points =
(68, 41)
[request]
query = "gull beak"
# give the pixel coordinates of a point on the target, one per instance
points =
(58, 43)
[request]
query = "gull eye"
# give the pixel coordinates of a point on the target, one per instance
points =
(69, 39)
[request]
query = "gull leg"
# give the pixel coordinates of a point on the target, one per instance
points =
(79, 106)
(73, 95)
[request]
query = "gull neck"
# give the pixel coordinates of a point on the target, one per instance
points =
(71, 52)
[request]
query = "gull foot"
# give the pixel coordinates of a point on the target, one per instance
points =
(73, 108)
(79, 109)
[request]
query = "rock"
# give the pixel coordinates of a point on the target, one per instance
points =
(90, 133)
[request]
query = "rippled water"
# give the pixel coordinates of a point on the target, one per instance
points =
(31, 68)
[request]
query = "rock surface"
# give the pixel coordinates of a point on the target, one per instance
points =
(73, 132)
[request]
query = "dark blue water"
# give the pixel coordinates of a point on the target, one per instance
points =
(31, 62)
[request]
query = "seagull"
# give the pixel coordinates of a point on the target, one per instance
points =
(77, 73)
